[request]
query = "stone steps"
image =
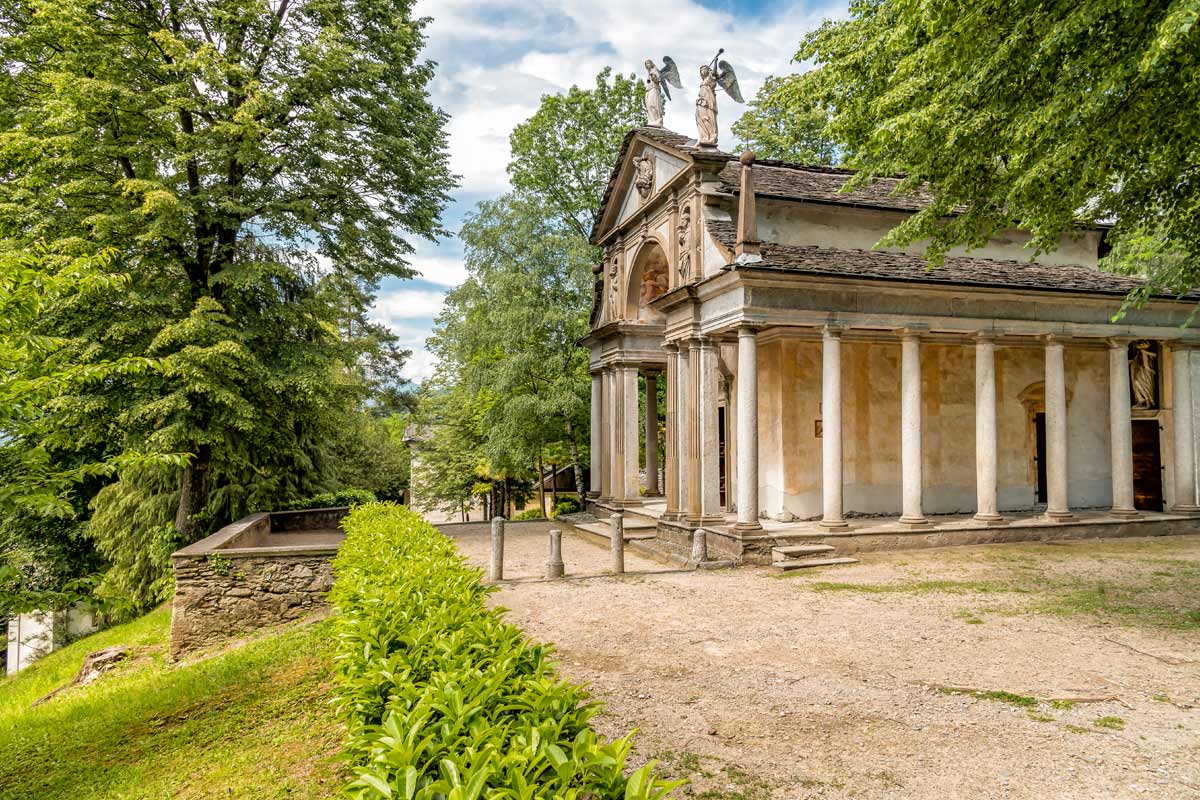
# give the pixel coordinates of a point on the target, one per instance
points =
(631, 532)
(793, 551)
(802, 563)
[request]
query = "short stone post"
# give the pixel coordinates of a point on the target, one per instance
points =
(554, 567)
(699, 546)
(617, 542)
(497, 572)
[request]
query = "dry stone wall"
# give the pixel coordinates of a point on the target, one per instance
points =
(219, 596)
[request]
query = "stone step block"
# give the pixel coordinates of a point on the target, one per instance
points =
(791, 551)
(804, 563)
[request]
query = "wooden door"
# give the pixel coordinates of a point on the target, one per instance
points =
(1039, 424)
(1147, 466)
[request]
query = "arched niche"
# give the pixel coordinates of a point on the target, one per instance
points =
(649, 277)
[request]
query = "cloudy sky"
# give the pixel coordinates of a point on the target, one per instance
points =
(496, 58)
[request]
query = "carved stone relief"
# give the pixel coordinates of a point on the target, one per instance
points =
(644, 178)
(1143, 375)
(684, 240)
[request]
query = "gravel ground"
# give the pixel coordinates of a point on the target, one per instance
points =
(925, 674)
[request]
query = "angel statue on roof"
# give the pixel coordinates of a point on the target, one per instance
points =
(718, 73)
(657, 92)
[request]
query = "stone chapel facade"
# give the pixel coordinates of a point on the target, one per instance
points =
(811, 379)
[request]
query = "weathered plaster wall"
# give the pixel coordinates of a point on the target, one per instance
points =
(218, 596)
(860, 228)
(790, 451)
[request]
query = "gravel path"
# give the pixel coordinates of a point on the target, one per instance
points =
(844, 682)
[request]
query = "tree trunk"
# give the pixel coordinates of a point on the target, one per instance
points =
(541, 471)
(193, 494)
(553, 486)
(579, 487)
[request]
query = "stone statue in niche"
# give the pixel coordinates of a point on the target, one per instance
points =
(711, 75)
(657, 93)
(597, 294)
(655, 283)
(1143, 375)
(614, 292)
(683, 236)
(644, 175)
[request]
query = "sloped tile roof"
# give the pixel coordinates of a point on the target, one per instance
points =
(955, 271)
(822, 184)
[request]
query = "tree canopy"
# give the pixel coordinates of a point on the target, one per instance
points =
(251, 169)
(1042, 114)
(565, 151)
(785, 121)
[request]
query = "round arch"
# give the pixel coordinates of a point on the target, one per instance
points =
(649, 277)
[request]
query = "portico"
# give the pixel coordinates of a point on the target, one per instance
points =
(814, 387)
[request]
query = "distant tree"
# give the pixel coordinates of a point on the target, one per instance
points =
(564, 153)
(510, 330)
(1042, 114)
(785, 121)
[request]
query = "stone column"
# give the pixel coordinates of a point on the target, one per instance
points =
(1120, 428)
(652, 489)
(693, 505)
(710, 454)
(910, 429)
(595, 488)
(606, 435)
(629, 428)
(985, 429)
(1181, 422)
(831, 430)
(747, 430)
(671, 457)
(616, 441)
(1057, 507)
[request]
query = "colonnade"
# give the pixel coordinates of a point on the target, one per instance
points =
(692, 447)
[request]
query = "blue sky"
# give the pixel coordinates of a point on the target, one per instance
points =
(496, 58)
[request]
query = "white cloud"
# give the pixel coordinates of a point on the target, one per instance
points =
(420, 366)
(444, 270)
(406, 304)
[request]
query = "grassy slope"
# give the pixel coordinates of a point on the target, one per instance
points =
(250, 722)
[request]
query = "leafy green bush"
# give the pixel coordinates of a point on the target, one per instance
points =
(567, 505)
(342, 497)
(442, 697)
(532, 513)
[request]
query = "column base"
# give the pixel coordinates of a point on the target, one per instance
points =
(746, 527)
(1124, 512)
(635, 503)
(990, 519)
(834, 524)
(670, 516)
(1185, 508)
(700, 522)
(1059, 516)
(593, 495)
(914, 522)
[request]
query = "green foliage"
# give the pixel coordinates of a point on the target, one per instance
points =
(785, 121)
(252, 170)
(567, 505)
(441, 696)
(564, 153)
(128, 529)
(531, 513)
(342, 497)
(1042, 114)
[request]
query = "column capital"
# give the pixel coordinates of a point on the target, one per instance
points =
(748, 328)
(911, 331)
(1118, 342)
(1054, 339)
(707, 342)
(671, 347)
(985, 336)
(1178, 345)
(832, 331)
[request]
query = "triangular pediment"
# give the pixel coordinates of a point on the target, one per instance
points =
(622, 199)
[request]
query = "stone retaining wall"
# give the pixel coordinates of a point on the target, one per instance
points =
(256, 572)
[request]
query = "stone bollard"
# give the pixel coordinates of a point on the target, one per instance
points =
(699, 546)
(616, 524)
(554, 567)
(497, 572)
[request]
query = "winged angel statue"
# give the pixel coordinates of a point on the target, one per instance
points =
(711, 75)
(657, 93)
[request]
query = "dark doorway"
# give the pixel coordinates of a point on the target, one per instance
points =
(721, 471)
(1147, 466)
(1039, 424)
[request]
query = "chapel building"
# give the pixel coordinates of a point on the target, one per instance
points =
(819, 388)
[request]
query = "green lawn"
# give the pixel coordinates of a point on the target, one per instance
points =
(252, 722)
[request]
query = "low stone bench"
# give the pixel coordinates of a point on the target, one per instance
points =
(262, 570)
